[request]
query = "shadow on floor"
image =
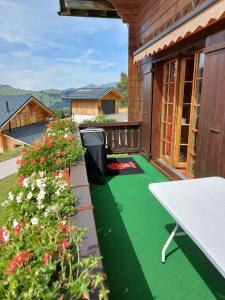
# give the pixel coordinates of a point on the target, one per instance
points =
(125, 278)
(200, 262)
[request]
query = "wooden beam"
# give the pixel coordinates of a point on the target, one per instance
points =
(89, 5)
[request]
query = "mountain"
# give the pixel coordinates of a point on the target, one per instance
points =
(52, 97)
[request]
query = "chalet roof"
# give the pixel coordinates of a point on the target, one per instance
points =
(90, 93)
(87, 8)
(14, 104)
(9, 105)
(28, 133)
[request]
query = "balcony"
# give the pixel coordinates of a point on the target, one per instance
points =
(132, 228)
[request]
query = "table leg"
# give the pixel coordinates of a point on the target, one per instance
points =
(172, 235)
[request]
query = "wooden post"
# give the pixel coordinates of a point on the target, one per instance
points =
(132, 76)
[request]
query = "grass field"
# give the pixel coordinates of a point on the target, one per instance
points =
(9, 154)
(5, 185)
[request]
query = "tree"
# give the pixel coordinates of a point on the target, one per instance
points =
(122, 87)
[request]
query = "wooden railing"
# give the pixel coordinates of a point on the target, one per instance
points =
(121, 137)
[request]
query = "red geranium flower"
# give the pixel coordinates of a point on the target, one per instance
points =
(42, 159)
(20, 179)
(64, 228)
(60, 298)
(33, 161)
(65, 244)
(18, 228)
(18, 261)
(46, 257)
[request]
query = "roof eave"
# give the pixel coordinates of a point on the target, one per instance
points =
(85, 8)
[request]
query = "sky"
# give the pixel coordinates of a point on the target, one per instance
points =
(41, 50)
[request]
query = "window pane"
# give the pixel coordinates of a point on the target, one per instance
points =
(169, 133)
(171, 92)
(201, 65)
(173, 67)
(189, 69)
(168, 149)
(187, 92)
(186, 114)
(184, 134)
(183, 154)
(198, 91)
(166, 73)
(170, 113)
(165, 93)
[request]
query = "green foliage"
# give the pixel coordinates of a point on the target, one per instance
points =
(61, 127)
(100, 119)
(52, 153)
(39, 247)
(122, 87)
(5, 185)
(42, 196)
(43, 262)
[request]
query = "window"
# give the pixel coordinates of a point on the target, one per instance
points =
(168, 101)
(182, 85)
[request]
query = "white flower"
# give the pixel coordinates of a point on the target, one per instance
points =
(19, 197)
(5, 234)
(41, 195)
(15, 223)
(11, 196)
(49, 209)
(40, 204)
(66, 136)
(4, 203)
(42, 174)
(34, 221)
(57, 192)
(30, 195)
(26, 182)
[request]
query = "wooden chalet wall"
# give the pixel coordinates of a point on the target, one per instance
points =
(211, 144)
(146, 19)
(31, 113)
(93, 107)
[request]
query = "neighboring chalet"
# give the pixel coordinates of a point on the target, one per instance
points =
(87, 103)
(176, 78)
(23, 119)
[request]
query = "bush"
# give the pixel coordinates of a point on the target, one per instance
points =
(50, 154)
(39, 248)
(40, 196)
(61, 127)
(100, 119)
(43, 262)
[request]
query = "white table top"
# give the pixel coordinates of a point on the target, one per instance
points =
(198, 206)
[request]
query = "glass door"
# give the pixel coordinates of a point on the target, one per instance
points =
(184, 111)
(168, 110)
(195, 112)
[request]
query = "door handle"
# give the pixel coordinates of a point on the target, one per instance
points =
(214, 130)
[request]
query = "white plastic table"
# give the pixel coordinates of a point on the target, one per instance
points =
(198, 207)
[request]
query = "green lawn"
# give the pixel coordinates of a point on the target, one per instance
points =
(132, 228)
(5, 185)
(9, 154)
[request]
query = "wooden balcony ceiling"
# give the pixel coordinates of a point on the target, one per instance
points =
(99, 8)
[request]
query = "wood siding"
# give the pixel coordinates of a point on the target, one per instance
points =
(93, 107)
(85, 107)
(211, 141)
(31, 113)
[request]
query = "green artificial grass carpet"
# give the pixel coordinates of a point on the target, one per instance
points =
(132, 228)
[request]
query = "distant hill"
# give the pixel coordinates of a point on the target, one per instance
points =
(51, 98)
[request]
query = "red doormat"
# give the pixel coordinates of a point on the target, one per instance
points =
(122, 166)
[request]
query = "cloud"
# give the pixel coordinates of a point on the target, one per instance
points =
(40, 50)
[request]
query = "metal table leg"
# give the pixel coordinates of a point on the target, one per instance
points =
(172, 235)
